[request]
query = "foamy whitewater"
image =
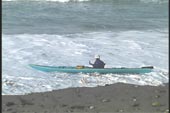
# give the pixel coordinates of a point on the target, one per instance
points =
(125, 34)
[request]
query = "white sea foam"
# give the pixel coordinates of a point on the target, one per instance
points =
(117, 49)
(63, 1)
(154, 1)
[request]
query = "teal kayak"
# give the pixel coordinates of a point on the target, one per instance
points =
(69, 69)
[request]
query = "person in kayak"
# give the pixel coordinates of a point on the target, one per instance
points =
(98, 63)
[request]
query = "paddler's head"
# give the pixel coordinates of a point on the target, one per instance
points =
(97, 56)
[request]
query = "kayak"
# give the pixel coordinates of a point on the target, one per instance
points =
(83, 69)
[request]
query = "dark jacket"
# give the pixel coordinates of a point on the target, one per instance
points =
(98, 64)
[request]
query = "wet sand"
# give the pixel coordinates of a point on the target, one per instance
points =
(113, 98)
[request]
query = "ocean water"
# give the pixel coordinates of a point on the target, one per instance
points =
(126, 33)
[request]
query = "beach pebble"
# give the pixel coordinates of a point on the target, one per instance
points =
(10, 104)
(136, 86)
(105, 100)
(63, 105)
(8, 109)
(162, 91)
(135, 105)
(91, 107)
(134, 99)
(157, 96)
(166, 111)
(155, 104)
(121, 110)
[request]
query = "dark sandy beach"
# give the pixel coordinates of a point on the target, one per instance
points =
(102, 99)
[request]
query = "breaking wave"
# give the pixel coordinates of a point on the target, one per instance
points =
(117, 49)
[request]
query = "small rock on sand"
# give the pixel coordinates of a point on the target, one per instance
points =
(105, 100)
(91, 107)
(156, 104)
(10, 104)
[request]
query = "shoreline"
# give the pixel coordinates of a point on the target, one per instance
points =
(112, 98)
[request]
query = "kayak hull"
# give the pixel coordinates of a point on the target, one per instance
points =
(70, 69)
